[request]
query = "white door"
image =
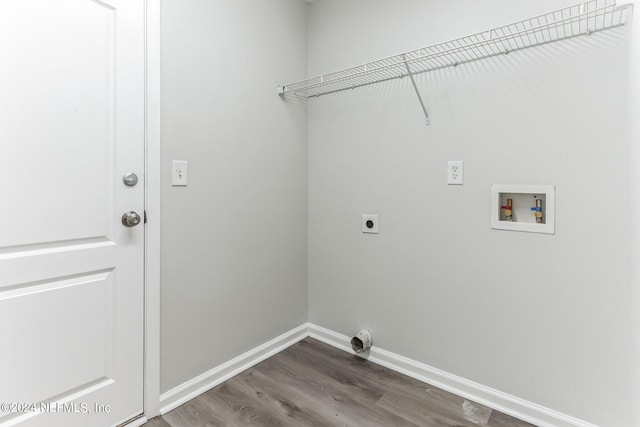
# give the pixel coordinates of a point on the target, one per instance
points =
(71, 274)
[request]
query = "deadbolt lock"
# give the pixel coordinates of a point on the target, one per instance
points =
(130, 179)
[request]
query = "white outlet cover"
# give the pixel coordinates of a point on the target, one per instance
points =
(179, 173)
(455, 172)
(370, 224)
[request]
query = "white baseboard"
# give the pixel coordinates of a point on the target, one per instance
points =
(495, 399)
(503, 402)
(200, 384)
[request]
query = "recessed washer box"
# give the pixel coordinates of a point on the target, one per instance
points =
(532, 208)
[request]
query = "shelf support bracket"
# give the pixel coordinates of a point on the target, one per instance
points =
(415, 87)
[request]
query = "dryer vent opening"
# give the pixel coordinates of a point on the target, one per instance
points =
(361, 342)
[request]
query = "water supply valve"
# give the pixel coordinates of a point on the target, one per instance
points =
(508, 210)
(538, 211)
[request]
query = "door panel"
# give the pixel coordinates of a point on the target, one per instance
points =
(39, 305)
(57, 74)
(71, 275)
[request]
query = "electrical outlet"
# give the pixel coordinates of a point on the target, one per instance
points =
(455, 172)
(370, 224)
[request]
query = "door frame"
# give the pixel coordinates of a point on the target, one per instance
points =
(632, 165)
(153, 147)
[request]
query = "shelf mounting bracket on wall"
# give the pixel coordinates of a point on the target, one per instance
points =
(581, 19)
(415, 87)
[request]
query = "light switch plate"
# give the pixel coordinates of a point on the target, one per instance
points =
(179, 173)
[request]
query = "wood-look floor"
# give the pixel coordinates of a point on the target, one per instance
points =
(313, 384)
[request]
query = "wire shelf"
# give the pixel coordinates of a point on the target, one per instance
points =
(581, 19)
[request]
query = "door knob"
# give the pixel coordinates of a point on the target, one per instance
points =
(130, 219)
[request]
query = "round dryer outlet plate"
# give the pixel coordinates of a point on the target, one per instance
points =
(370, 224)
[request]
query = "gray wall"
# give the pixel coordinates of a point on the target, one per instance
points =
(547, 318)
(234, 241)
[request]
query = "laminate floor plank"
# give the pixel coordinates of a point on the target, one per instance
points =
(200, 412)
(333, 377)
(498, 419)
(435, 408)
(313, 384)
(288, 406)
(157, 422)
(343, 401)
(385, 378)
(420, 402)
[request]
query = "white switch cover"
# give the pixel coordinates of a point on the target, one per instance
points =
(179, 173)
(455, 171)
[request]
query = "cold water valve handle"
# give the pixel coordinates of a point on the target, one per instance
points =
(538, 211)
